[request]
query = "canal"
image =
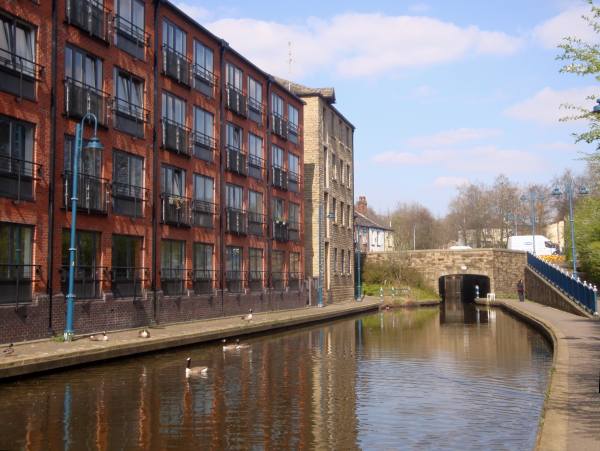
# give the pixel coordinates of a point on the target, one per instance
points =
(454, 377)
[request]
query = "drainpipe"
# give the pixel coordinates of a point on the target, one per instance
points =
(222, 133)
(155, 168)
(270, 232)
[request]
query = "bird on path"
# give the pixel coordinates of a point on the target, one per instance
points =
(9, 350)
(193, 371)
(144, 333)
(99, 337)
(248, 316)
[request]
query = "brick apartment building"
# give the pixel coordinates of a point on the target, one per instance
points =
(194, 207)
(329, 174)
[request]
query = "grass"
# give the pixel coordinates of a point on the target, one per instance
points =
(403, 291)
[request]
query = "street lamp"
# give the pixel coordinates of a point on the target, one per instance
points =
(533, 198)
(582, 191)
(93, 144)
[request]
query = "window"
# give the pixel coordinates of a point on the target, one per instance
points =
(126, 274)
(172, 180)
(204, 188)
(203, 208)
(278, 269)
(255, 269)
(204, 124)
(293, 118)
(342, 213)
(348, 176)
(131, 12)
(254, 94)
(172, 267)
(294, 221)
(333, 167)
(278, 209)
(295, 263)
(234, 77)
(277, 105)
(92, 187)
(293, 163)
(234, 196)
(16, 159)
(17, 57)
(90, 160)
(16, 270)
(342, 167)
(334, 262)
(129, 24)
(203, 268)
(127, 186)
(234, 136)
(348, 215)
(277, 156)
(342, 261)
(233, 268)
(334, 209)
(87, 257)
(83, 68)
(129, 94)
(173, 109)
(203, 59)
(255, 157)
(174, 37)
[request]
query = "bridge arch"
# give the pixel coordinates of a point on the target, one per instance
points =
(461, 287)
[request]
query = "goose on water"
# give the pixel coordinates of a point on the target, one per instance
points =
(191, 371)
(228, 347)
(99, 337)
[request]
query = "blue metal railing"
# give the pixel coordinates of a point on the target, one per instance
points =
(580, 292)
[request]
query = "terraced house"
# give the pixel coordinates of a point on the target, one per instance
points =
(194, 206)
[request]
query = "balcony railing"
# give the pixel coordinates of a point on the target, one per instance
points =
(279, 126)
(176, 65)
(175, 210)
(204, 280)
(236, 160)
(280, 231)
(256, 280)
(173, 281)
(234, 281)
(236, 221)
(293, 132)
(81, 99)
(255, 110)
(278, 281)
(17, 176)
(203, 214)
(256, 166)
(256, 223)
(129, 117)
(294, 279)
(127, 281)
(236, 101)
(128, 200)
(280, 179)
(90, 16)
(204, 80)
(204, 146)
(87, 281)
(130, 37)
(16, 283)
(176, 137)
(18, 75)
(293, 182)
(92, 193)
(294, 231)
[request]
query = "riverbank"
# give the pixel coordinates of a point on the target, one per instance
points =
(572, 409)
(47, 355)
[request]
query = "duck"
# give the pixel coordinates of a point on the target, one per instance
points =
(191, 371)
(228, 347)
(248, 316)
(144, 333)
(9, 350)
(99, 337)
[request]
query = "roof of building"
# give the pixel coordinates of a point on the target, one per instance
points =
(363, 221)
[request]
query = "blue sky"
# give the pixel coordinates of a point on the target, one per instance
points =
(442, 92)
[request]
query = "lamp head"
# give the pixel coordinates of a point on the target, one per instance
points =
(94, 144)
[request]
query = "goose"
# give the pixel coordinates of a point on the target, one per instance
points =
(99, 337)
(194, 371)
(9, 350)
(248, 316)
(239, 346)
(145, 333)
(228, 347)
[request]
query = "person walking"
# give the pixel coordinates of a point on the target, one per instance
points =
(521, 290)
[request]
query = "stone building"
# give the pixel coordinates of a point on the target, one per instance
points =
(328, 192)
(369, 234)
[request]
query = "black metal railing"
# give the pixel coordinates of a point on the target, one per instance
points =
(16, 283)
(236, 101)
(236, 160)
(128, 200)
(280, 231)
(176, 65)
(203, 214)
(175, 210)
(204, 80)
(256, 223)
(279, 126)
(294, 231)
(278, 280)
(236, 221)
(17, 176)
(81, 98)
(293, 132)
(128, 281)
(87, 281)
(90, 16)
(280, 179)
(294, 279)
(18, 74)
(130, 37)
(204, 146)
(203, 280)
(293, 182)
(129, 117)
(234, 281)
(255, 110)
(92, 193)
(256, 166)
(256, 280)
(176, 137)
(173, 281)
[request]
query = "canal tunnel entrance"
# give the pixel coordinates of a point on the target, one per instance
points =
(461, 287)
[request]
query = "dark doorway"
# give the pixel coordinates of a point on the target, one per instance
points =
(461, 287)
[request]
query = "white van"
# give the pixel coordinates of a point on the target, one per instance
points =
(543, 246)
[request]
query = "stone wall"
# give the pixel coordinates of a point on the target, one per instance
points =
(540, 291)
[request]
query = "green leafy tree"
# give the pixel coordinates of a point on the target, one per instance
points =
(587, 237)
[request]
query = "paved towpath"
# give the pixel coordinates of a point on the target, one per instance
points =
(572, 410)
(43, 355)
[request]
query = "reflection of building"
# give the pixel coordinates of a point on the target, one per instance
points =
(368, 233)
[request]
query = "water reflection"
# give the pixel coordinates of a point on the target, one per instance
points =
(401, 379)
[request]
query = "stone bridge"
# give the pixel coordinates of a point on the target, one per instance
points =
(495, 270)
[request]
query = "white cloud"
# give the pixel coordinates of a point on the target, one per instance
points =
(359, 45)
(453, 137)
(450, 182)
(568, 23)
(544, 107)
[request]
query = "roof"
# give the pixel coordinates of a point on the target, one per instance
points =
(363, 221)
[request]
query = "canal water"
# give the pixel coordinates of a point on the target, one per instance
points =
(455, 377)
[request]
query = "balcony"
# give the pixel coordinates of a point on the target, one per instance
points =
(129, 117)
(81, 99)
(236, 160)
(176, 137)
(256, 224)
(204, 146)
(278, 280)
(294, 231)
(16, 177)
(293, 182)
(204, 280)
(255, 110)
(176, 65)
(280, 179)
(90, 16)
(18, 75)
(294, 279)
(130, 38)
(236, 101)
(203, 214)
(293, 132)
(256, 280)
(234, 281)
(127, 282)
(128, 200)
(204, 80)
(175, 210)
(172, 281)
(87, 281)
(256, 166)
(92, 193)
(236, 221)
(280, 231)
(16, 283)
(279, 126)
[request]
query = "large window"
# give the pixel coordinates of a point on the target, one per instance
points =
(172, 180)
(234, 136)
(174, 37)
(294, 215)
(126, 272)
(128, 191)
(17, 57)
(204, 123)
(255, 100)
(83, 67)
(203, 274)
(255, 156)
(234, 196)
(234, 77)
(233, 268)
(293, 172)
(293, 122)
(204, 188)
(172, 267)
(277, 105)
(278, 206)
(16, 158)
(129, 25)
(277, 156)
(294, 271)
(255, 269)
(278, 270)
(131, 12)
(255, 213)
(129, 94)
(16, 270)
(173, 108)
(87, 258)
(203, 59)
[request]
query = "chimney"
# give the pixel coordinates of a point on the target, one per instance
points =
(361, 206)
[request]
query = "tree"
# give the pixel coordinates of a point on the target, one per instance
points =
(414, 221)
(587, 237)
(583, 58)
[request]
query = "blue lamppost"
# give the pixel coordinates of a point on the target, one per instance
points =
(92, 144)
(533, 198)
(569, 191)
